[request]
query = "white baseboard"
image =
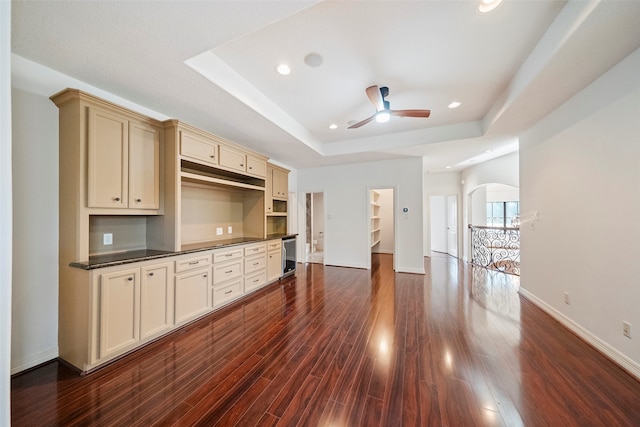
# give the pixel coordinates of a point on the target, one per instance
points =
(410, 270)
(34, 360)
(606, 349)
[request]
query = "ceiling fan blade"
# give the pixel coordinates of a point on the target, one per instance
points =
(362, 122)
(410, 113)
(373, 92)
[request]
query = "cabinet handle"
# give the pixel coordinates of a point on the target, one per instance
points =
(117, 199)
(228, 255)
(227, 272)
(151, 274)
(228, 292)
(256, 263)
(130, 279)
(194, 262)
(138, 200)
(256, 280)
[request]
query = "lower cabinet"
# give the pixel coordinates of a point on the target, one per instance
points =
(126, 306)
(192, 295)
(156, 300)
(119, 311)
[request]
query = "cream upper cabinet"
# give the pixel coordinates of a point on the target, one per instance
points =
(233, 159)
(144, 166)
(198, 148)
(256, 166)
(108, 165)
(156, 300)
(123, 168)
(280, 184)
(119, 311)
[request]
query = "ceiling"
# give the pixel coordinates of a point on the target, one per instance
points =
(212, 64)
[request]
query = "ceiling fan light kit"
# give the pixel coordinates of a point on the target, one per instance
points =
(383, 111)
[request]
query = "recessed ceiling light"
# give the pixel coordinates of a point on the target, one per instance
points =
(333, 126)
(487, 6)
(447, 167)
(283, 69)
(313, 60)
(454, 104)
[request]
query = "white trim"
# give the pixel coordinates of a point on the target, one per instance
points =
(410, 270)
(606, 349)
(35, 360)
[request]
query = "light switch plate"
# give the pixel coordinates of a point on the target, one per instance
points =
(219, 231)
(230, 230)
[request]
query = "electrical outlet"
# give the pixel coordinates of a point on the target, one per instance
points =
(566, 298)
(219, 231)
(626, 329)
(107, 239)
(230, 230)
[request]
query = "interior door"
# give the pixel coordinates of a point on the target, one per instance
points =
(452, 225)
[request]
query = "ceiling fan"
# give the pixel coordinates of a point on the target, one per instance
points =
(383, 112)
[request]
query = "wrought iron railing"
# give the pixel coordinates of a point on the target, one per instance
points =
(497, 248)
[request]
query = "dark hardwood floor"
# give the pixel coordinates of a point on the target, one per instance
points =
(347, 347)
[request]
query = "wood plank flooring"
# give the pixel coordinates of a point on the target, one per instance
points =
(346, 347)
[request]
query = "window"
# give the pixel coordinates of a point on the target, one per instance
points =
(502, 214)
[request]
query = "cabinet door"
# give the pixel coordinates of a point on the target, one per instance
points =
(256, 166)
(192, 296)
(119, 311)
(274, 265)
(108, 151)
(280, 189)
(198, 149)
(156, 302)
(144, 166)
(232, 158)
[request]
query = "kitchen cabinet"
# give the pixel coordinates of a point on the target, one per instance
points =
(274, 260)
(197, 148)
(256, 166)
(119, 311)
(192, 296)
(280, 182)
(123, 168)
(233, 159)
(156, 300)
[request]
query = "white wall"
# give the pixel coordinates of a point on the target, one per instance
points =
(34, 337)
(579, 170)
(438, 223)
(346, 189)
(5, 213)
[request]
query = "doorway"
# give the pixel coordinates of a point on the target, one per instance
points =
(314, 228)
(382, 221)
(444, 224)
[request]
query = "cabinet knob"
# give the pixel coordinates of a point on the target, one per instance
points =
(242, 165)
(117, 199)
(250, 167)
(138, 200)
(151, 273)
(228, 292)
(204, 275)
(212, 156)
(130, 278)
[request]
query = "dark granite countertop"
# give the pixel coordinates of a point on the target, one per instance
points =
(120, 258)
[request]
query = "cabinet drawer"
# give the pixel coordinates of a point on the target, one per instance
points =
(255, 281)
(275, 245)
(199, 149)
(227, 271)
(227, 292)
(255, 249)
(191, 263)
(254, 264)
(227, 255)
